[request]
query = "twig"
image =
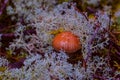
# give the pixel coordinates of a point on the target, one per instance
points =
(117, 47)
(11, 36)
(116, 33)
(82, 13)
(91, 10)
(6, 28)
(112, 36)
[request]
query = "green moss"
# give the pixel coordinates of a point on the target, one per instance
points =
(61, 1)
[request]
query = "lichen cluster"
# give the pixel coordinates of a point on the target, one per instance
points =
(30, 55)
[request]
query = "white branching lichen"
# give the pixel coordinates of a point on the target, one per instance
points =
(54, 65)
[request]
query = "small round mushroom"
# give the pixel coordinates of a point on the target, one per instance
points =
(66, 41)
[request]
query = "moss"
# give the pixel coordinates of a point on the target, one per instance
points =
(55, 32)
(61, 1)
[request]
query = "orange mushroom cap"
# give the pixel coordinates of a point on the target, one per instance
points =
(66, 41)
